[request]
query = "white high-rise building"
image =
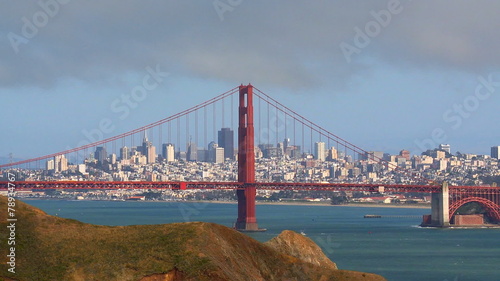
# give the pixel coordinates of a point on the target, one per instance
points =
(445, 147)
(219, 155)
(169, 152)
(82, 168)
(215, 153)
(332, 153)
(320, 151)
(60, 163)
(50, 165)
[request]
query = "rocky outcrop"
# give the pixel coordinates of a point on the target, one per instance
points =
(301, 247)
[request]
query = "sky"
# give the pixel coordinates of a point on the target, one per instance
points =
(385, 75)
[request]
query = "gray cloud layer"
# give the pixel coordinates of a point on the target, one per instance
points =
(283, 43)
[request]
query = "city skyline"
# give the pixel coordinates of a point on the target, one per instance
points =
(412, 84)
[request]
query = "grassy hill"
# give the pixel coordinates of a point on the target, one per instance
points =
(53, 248)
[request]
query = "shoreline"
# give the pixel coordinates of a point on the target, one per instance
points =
(368, 205)
(288, 203)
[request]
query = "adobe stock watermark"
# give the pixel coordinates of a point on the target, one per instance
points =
(459, 112)
(31, 26)
(11, 220)
(327, 244)
(123, 105)
(281, 124)
(223, 6)
(363, 37)
(192, 209)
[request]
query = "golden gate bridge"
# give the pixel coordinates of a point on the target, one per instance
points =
(446, 200)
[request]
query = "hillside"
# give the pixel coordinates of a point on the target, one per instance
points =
(52, 248)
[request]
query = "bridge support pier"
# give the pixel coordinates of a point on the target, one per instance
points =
(246, 210)
(440, 207)
(247, 220)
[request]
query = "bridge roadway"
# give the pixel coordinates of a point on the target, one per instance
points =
(186, 185)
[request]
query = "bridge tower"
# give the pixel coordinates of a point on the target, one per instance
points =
(247, 220)
(440, 207)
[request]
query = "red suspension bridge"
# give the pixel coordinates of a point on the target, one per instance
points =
(275, 122)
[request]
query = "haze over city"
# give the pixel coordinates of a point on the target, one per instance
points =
(386, 75)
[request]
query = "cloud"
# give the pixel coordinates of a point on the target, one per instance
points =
(284, 44)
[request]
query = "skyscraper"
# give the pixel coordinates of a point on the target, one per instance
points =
(332, 153)
(60, 163)
(50, 165)
(494, 152)
(215, 153)
(148, 149)
(286, 143)
(192, 152)
(219, 155)
(100, 154)
(320, 151)
(226, 141)
(445, 147)
(124, 153)
(168, 152)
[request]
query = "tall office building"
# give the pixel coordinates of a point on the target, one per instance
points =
(445, 147)
(286, 143)
(215, 153)
(332, 153)
(494, 152)
(112, 158)
(100, 154)
(124, 153)
(151, 154)
(148, 150)
(60, 163)
(202, 155)
(226, 141)
(50, 165)
(192, 152)
(168, 152)
(320, 151)
(219, 155)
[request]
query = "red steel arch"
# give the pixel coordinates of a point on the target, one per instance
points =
(492, 208)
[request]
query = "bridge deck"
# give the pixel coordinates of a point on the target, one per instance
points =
(403, 188)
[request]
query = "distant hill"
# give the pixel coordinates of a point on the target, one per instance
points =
(53, 248)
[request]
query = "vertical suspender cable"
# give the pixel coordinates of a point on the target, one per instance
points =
(205, 126)
(178, 134)
(196, 128)
(169, 132)
(223, 114)
(276, 130)
(268, 124)
(232, 112)
(311, 144)
(260, 126)
(160, 135)
(215, 124)
(187, 132)
(303, 139)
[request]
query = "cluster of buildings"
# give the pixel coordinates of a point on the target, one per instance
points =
(283, 162)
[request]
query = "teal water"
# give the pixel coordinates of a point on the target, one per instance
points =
(395, 248)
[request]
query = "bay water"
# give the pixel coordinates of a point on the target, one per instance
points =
(396, 248)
